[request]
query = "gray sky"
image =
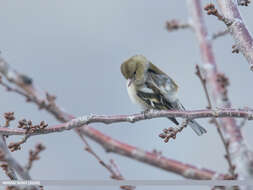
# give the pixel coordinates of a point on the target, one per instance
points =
(74, 49)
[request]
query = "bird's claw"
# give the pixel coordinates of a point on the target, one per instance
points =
(145, 112)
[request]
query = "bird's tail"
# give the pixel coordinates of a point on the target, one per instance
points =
(194, 125)
(197, 128)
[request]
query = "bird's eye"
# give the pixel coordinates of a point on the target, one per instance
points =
(134, 72)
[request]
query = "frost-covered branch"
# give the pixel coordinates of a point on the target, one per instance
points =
(92, 118)
(231, 16)
(241, 156)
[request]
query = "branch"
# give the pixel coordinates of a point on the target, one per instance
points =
(113, 169)
(237, 28)
(9, 171)
(34, 155)
(241, 156)
(12, 163)
(219, 34)
(185, 170)
(88, 119)
(173, 25)
(105, 141)
(172, 132)
(217, 124)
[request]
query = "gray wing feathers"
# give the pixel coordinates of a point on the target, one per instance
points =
(167, 88)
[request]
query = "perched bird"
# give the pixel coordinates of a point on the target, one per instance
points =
(151, 88)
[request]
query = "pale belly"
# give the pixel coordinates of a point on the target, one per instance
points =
(134, 98)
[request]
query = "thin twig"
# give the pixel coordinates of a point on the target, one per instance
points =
(173, 25)
(34, 155)
(220, 34)
(172, 132)
(216, 123)
(114, 174)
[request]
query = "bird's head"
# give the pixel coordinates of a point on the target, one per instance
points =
(134, 69)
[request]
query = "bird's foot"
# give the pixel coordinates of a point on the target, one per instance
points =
(145, 112)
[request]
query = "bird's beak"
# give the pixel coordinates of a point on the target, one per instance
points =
(130, 81)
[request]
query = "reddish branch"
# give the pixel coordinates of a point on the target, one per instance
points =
(237, 28)
(217, 124)
(241, 156)
(185, 170)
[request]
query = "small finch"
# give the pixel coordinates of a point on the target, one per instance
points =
(151, 88)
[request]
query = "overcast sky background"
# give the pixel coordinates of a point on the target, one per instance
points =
(74, 49)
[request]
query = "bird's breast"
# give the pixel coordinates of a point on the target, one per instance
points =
(132, 92)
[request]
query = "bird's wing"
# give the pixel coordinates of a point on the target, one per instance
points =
(157, 90)
(161, 81)
(159, 86)
(154, 100)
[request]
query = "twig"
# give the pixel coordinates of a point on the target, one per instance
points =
(34, 155)
(12, 162)
(9, 116)
(23, 124)
(216, 123)
(211, 10)
(173, 25)
(114, 174)
(116, 168)
(203, 82)
(13, 146)
(241, 156)
(172, 132)
(238, 29)
(106, 166)
(219, 34)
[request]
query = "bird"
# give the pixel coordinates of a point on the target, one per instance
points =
(151, 88)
